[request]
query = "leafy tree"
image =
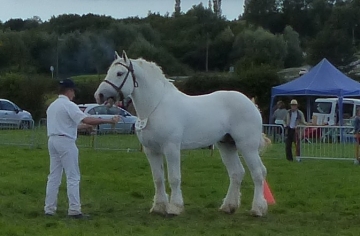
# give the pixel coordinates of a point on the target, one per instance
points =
(294, 56)
(14, 54)
(177, 7)
(15, 24)
(142, 48)
(334, 45)
(259, 47)
(28, 91)
(256, 81)
(220, 49)
(264, 13)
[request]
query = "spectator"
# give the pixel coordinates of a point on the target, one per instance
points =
(294, 117)
(280, 113)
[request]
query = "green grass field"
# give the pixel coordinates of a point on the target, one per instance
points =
(313, 197)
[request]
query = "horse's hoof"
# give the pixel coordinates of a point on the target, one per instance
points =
(159, 208)
(255, 213)
(175, 209)
(228, 209)
(260, 210)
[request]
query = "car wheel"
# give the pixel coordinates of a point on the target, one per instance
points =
(25, 124)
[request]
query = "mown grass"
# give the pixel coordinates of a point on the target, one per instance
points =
(313, 197)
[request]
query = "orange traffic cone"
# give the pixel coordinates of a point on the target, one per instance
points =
(267, 194)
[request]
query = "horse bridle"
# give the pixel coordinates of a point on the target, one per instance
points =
(130, 70)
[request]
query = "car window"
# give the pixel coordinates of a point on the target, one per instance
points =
(7, 106)
(92, 111)
(357, 108)
(114, 111)
(100, 110)
(348, 110)
(323, 107)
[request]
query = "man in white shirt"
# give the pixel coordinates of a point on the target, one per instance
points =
(63, 118)
(293, 118)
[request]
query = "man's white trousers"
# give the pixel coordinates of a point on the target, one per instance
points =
(63, 155)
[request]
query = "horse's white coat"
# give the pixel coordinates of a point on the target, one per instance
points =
(170, 120)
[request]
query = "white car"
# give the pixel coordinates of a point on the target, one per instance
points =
(12, 116)
(126, 125)
(303, 71)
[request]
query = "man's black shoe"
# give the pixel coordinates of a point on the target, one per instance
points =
(79, 216)
(49, 214)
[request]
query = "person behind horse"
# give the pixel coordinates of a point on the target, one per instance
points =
(63, 119)
(294, 117)
(280, 113)
(357, 133)
(279, 117)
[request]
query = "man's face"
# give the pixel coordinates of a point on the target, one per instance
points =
(71, 94)
(293, 107)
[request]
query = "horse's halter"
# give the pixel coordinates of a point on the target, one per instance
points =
(130, 70)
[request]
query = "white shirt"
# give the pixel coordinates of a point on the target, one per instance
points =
(63, 118)
(293, 119)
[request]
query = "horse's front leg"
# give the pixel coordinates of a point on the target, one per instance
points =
(161, 201)
(172, 154)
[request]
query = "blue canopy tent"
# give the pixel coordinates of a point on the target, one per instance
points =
(324, 79)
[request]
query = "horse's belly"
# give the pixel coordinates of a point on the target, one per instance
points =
(198, 138)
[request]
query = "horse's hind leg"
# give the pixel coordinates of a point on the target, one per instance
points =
(160, 203)
(236, 171)
(251, 156)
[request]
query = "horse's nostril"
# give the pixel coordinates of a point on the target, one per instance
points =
(101, 96)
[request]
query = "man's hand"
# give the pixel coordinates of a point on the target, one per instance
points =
(115, 119)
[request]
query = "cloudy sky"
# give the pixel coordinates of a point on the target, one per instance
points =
(45, 9)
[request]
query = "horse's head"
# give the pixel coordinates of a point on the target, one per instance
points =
(120, 80)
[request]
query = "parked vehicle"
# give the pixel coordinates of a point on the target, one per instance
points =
(326, 110)
(126, 125)
(303, 71)
(12, 116)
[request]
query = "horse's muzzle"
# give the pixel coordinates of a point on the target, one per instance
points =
(99, 98)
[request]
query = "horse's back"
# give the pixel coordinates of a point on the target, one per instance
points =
(208, 118)
(229, 104)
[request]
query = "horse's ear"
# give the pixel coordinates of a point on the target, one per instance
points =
(124, 56)
(116, 55)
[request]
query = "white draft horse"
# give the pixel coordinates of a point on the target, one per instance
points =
(169, 120)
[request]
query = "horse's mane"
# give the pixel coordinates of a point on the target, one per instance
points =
(152, 68)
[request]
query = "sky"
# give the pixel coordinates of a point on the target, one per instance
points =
(45, 9)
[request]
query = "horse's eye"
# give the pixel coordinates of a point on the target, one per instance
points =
(120, 74)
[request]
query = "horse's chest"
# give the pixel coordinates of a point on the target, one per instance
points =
(148, 140)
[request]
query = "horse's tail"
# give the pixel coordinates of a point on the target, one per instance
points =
(265, 143)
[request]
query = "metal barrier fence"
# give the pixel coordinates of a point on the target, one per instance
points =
(326, 142)
(316, 142)
(108, 138)
(26, 133)
(275, 132)
(16, 132)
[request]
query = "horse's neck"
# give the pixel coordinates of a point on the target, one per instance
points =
(147, 96)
